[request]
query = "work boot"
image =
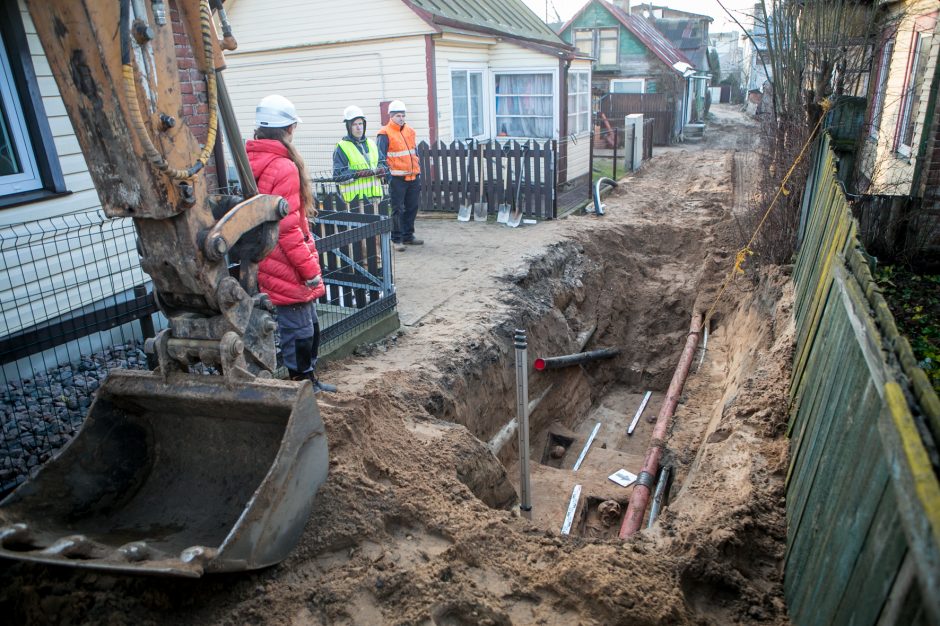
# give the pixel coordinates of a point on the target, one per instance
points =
(320, 386)
(414, 242)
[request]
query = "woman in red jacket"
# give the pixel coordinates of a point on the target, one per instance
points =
(290, 274)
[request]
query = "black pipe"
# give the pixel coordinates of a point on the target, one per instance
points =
(554, 362)
(598, 205)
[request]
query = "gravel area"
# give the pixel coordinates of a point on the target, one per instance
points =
(41, 414)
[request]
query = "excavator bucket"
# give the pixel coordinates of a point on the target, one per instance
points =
(182, 475)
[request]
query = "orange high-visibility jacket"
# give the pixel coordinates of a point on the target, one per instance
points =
(402, 156)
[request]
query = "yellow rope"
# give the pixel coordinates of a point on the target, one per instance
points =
(746, 251)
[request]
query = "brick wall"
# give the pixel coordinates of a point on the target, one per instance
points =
(195, 108)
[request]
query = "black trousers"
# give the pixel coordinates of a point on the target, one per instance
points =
(404, 196)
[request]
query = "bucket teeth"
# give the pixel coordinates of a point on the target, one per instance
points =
(15, 535)
(74, 547)
(198, 555)
(135, 551)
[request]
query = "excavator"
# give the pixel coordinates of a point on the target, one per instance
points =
(173, 472)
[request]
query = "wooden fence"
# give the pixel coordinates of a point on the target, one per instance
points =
(657, 106)
(863, 500)
(451, 176)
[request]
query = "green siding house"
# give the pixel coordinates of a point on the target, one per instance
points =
(632, 57)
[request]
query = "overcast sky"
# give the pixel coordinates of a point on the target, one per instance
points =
(567, 8)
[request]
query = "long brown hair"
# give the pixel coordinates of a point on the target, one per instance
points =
(306, 185)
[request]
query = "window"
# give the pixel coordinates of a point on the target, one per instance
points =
(600, 43)
(579, 102)
(910, 106)
(584, 41)
(29, 165)
(467, 95)
(524, 105)
(18, 171)
(878, 98)
(608, 38)
(628, 85)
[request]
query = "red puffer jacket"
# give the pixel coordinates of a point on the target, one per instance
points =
(283, 273)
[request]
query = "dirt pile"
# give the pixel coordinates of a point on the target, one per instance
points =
(413, 526)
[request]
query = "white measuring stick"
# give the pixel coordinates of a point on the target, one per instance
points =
(586, 446)
(639, 412)
(572, 507)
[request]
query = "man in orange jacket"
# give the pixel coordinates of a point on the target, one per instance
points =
(398, 152)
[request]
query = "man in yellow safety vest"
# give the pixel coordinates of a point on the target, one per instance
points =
(356, 161)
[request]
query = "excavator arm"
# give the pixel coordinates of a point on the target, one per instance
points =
(172, 472)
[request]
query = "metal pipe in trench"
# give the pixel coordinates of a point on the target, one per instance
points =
(554, 362)
(639, 499)
(522, 415)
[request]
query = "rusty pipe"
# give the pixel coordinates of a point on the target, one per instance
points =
(639, 499)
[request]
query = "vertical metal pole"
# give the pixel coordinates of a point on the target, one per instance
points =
(590, 186)
(615, 154)
(522, 416)
(388, 286)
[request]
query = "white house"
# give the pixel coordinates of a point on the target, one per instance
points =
(480, 68)
(757, 69)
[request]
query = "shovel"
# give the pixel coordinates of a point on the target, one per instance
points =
(502, 213)
(464, 211)
(515, 218)
(480, 206)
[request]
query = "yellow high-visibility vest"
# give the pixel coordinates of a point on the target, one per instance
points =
(367, 187)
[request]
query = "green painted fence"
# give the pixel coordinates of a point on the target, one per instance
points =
(863, 499)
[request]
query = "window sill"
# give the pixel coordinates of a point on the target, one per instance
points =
(29, 197)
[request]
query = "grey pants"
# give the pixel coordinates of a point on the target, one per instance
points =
(300, 336)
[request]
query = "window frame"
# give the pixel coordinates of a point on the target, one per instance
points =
(586, 120)
(482, 70)
(574, 40)
(26, 94)
(912, 85)
(642, 82)
(525, 72)
(595, 39)
(600, 49)
(881, 87)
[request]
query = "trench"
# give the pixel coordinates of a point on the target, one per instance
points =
(623, 288)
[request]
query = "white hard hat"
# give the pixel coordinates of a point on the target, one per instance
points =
(275, 112)
(352, 112)
(396, 106)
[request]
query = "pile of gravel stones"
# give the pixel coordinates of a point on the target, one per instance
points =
(41, 414)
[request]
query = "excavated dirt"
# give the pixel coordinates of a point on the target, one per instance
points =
(415, 524)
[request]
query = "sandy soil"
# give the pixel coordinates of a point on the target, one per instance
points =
(415, 524)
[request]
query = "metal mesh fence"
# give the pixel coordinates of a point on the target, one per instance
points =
(75, 303)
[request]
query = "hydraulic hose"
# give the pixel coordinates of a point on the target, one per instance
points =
(136, 117)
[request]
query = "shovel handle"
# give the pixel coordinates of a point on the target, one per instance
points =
(481, 173)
